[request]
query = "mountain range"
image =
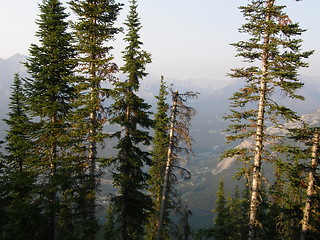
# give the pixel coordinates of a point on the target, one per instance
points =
(207, 128)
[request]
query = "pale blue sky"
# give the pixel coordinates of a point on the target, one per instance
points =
(188, 39)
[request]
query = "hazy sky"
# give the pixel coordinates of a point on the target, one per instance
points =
(188, 39)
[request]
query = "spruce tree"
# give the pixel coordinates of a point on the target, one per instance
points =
(301, 198)
(237, 206)
(132, 115)
(284, 214)
(222, 219)
(93, 30)
(274, 55)
(159, 156)
(49, 92)
(18, 176)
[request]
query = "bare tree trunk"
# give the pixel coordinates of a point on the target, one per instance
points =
(166, 182)
(256, 174)
(310, 189)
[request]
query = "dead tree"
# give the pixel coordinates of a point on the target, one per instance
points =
(181, 115)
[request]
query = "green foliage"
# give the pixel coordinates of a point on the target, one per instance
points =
(111, 228)
(238, 215)
(19, 211)
(49, 93)
(290, 192)
(273, 56)
(159, 157)
(221, 221)
(231, 219)
(131, 114)
(93, 31)
(284, 58)
(94, 28)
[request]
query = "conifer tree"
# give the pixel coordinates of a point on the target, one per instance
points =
(221, 227)
(231, 221)
(284, 214)
(237, 206)
(312, 188)
(111, 231)
(132, 114)
(159, 156)
(180, 140)
(274, 55)
(93, 30)
(302, 198)
(48, 95)
(3, 192)
(18, 176)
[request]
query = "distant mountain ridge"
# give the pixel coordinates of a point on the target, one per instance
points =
(8, 68)
(211, 106)
(207, 128)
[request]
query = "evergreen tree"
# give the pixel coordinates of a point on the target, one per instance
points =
(131, 113)
(231, 221)
(302, 195)
(273, 46)
(3, 193)
(159, 156)
(221, 227)
(93, 32)
(111, 230)
(312, 192)
(238, 215)
(49, 92)
(284, 214)
(21, 215)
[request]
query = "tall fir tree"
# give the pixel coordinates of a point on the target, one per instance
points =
(93, 30)
(132, 114)
(222, 219)
(237, 206)
(159, 156)
(49, 92)
(274, 55)
(18, 176)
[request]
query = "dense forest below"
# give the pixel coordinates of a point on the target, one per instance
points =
(85, 155)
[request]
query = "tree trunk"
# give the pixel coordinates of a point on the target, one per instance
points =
(310, 189)
(53, 193)
(92, 148)
(124, 235)
(186, 227)
(166, 182)
(256, 174)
